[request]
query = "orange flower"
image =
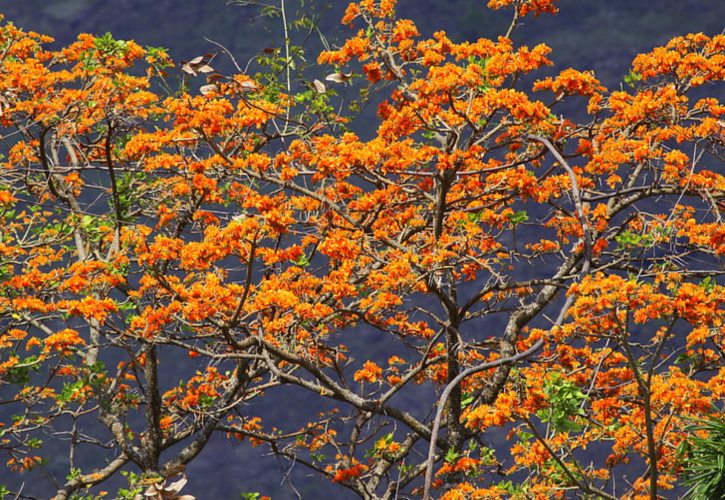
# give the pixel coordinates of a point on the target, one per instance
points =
(346, 474)
(63, 341)
(370, 372)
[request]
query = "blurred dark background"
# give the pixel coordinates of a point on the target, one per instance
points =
(601, 35)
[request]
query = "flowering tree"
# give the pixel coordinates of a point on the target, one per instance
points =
(551, 280)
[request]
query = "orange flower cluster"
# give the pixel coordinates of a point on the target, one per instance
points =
(344, 475)
(370, 372)
(525, 7)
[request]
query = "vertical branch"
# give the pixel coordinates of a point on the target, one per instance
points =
(55, 184)
(153, 409)
(644, 391)
(453, 413)
(73, 443)
(444, 185)
(514, 23)
(287, 61)
(114, 189)
(446, 290)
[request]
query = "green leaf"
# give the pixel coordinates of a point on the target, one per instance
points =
(250, 496)
(467, 400)
(565, 404)
(451, 456)
(632, 78)
(69, 390)
(703, 459)
(302, 261)
(518, 217)
(708, 284)
(270, 11)
(20, 374)
(74, 473)
(474, 217)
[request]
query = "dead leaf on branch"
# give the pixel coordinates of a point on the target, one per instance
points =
(199, 64)
(319, 86)
(162, 491)
(338, 77)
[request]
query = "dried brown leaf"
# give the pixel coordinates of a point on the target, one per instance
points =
(319, 86)
(208, 89)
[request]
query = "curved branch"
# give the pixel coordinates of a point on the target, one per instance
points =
(444, 398)
(576, 194)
